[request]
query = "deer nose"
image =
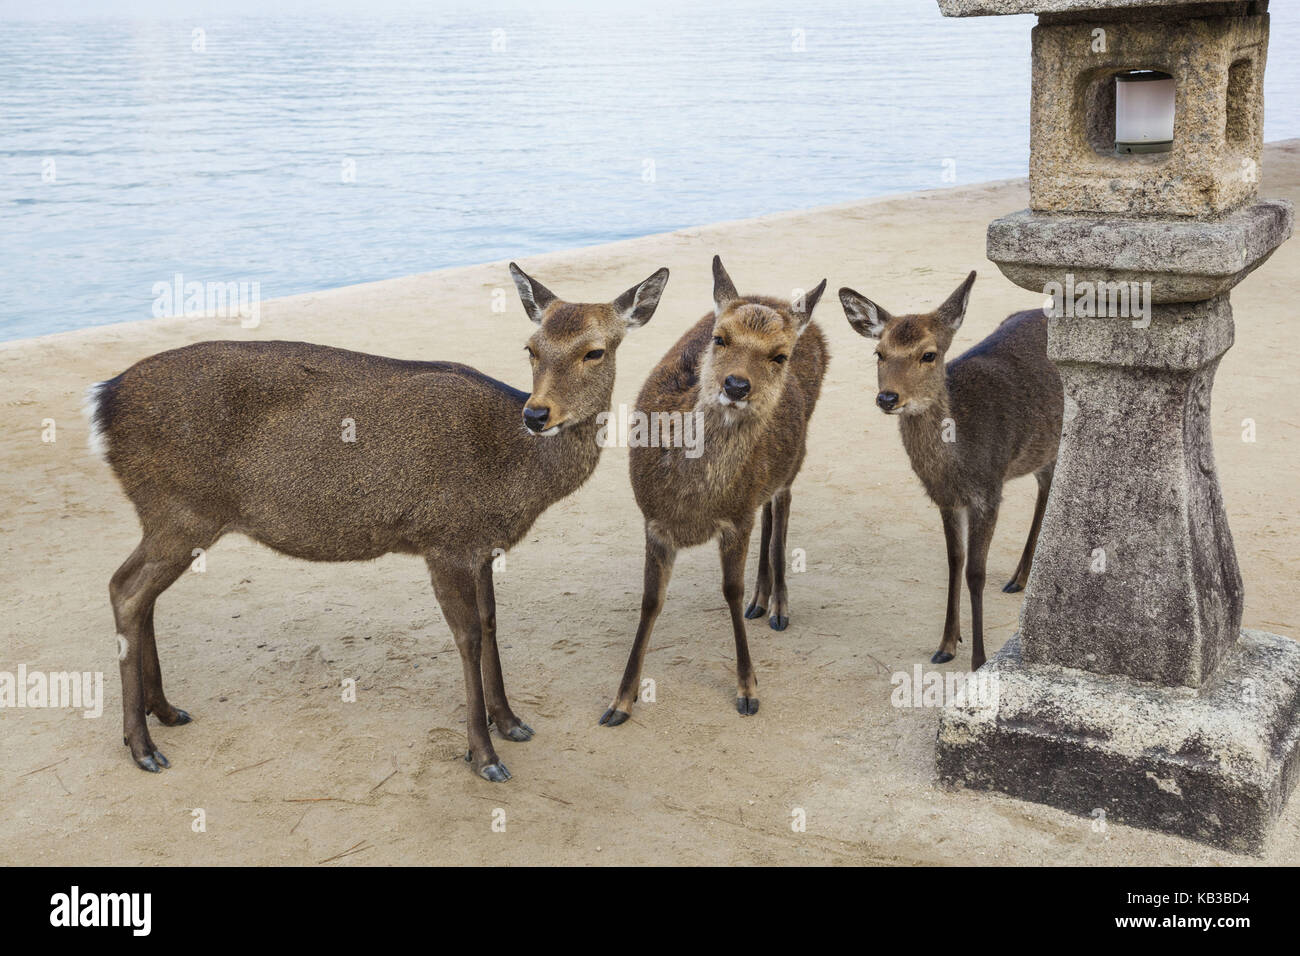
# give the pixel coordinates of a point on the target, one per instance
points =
(736, 387)
(887, 400)
(535, 418)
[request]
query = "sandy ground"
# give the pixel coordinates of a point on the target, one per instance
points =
(257, 645)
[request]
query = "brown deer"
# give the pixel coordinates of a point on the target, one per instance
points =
(751, 372)
(443, 462)
(989, 415)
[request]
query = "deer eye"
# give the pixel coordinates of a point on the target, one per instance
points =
(779, 359)
(529, 350)
(719, 341)
(594, 354)
(929, 357)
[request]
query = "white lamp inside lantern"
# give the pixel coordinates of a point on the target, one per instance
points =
(1144, 112)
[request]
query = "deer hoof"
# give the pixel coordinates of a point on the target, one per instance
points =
(1011, 587)
(755, 610)
(612, 717)
(747, 706)
(495, 772)
(518, 733)
(177, 717)
(153, 763)
(941, 657)
(778, 622)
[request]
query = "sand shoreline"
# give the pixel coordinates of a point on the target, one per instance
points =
(140, 325)
(255, 646)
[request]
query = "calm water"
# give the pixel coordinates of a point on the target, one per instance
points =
(312, 152)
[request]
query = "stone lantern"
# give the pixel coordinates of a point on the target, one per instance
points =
(1130, 689)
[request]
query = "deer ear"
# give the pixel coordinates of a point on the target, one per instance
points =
(954, 309)
(867, 318)
(803, 303)
(535, 296)
(637, 304)
(724, 290)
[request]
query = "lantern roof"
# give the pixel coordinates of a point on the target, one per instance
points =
(990, 8)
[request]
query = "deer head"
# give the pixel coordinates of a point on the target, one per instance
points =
(748, 358)
(572, 351)
(910, 349)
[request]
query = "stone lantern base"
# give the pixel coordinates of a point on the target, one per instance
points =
(1215, 764)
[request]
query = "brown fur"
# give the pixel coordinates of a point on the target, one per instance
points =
(1001, 401)
(750, 457)
(248, 437)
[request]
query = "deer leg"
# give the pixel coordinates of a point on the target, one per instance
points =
(456, 590)
(982, 523)
(954, 536)
(1021, 577)
(494, 685)
(659, 558)
(155, 701)
(763, 585)
(151, 569)
(732, 547)
(780, 618)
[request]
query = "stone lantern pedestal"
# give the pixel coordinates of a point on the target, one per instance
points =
(1130, 687)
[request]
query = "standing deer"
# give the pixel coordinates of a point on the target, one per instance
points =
(751, 371)
(990, 415)
(444, 462)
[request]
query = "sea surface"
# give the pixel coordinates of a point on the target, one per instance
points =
(305, 150)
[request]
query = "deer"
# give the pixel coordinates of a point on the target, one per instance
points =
(969, 426)
(443, 462)
(751, 371)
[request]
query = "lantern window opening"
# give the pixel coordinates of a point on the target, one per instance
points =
(1144, 112)
(1108, 114)
(1237, 117)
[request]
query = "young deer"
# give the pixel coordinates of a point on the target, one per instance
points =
(751, 371)
(990, 415)
(442, 461)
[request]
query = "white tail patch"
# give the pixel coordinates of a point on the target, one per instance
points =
(95, 439)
